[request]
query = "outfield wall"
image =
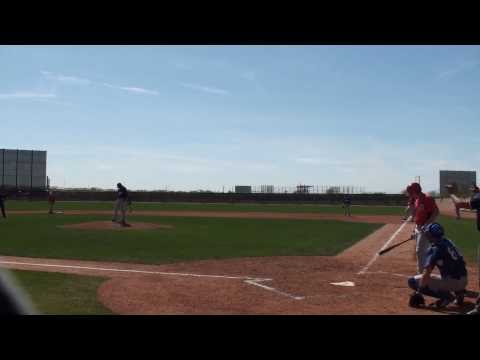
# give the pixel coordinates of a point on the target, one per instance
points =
(357, 199)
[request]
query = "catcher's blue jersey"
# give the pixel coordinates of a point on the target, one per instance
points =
(447, 258)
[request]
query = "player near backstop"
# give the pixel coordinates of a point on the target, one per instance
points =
(122, 203)
(460, 204)
(475, 205)
(2, 204)
(426, 211)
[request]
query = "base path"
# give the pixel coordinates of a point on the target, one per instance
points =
(273, 285)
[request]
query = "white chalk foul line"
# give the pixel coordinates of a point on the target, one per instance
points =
(131, 271)
(248, 279)
(255, 282)
(365, 268)
(386, 273)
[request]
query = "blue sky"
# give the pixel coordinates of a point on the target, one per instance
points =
(200, 117)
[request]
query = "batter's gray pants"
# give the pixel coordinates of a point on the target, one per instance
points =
(421, 249)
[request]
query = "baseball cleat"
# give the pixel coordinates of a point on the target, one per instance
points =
(475, 311)
(459, 298)
(442, 303)
(416, 300)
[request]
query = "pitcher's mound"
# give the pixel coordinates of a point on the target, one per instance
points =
(109, 225)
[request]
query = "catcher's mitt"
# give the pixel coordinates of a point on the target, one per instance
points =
(416, 300)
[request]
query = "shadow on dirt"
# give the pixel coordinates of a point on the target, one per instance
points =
(450, 310)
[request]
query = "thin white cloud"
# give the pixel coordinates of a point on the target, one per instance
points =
(206, 89)
(27, 95)
(133, 89)
(68, 79)
(83, 81)
(459, 68)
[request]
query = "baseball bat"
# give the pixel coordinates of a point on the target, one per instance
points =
(394, 246)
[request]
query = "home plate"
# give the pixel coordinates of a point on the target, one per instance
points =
(345, 283)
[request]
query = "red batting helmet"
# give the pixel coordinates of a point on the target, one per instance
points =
(415, 188)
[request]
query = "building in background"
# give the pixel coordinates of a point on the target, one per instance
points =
(23, 169)
(267, 189)
(239, 189)
(304, 189)
(462, 179)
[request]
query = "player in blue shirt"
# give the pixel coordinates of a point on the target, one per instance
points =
(453, 272)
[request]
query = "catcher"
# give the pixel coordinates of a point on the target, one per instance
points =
(450, 285)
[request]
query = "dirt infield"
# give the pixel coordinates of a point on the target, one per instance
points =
(109, 225)
(274, 285)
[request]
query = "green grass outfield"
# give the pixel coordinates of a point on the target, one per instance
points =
(61, 294)
(464, 234)
(190, 239)
(297, 208)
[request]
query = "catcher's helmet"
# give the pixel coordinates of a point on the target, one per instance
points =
(435, 230)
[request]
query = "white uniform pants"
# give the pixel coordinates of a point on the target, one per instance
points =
(421, 249)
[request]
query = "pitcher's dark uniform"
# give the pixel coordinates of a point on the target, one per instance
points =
(2, 205)
(121, 204)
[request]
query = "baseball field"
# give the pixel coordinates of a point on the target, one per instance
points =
(180, 258)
